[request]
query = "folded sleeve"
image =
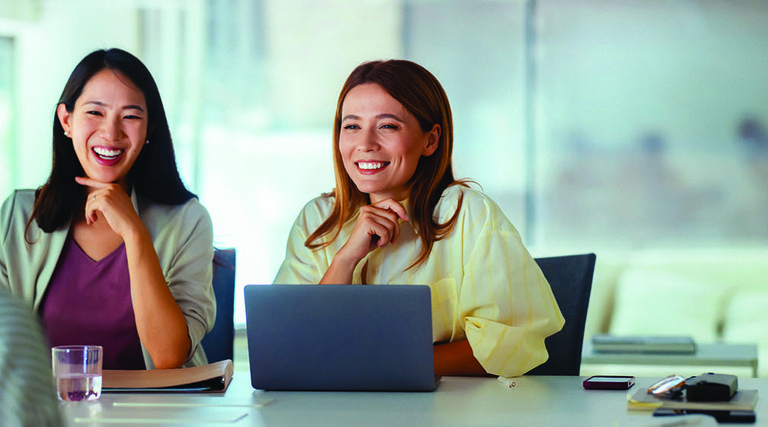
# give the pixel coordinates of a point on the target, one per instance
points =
(506, 304)
(183, 238)
(191, 275)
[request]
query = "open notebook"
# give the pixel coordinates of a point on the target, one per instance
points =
(340, 337)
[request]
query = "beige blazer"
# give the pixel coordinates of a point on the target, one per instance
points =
(183, 240)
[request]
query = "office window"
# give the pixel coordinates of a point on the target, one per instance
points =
(488, 97)
(650, 123)
(594, 124)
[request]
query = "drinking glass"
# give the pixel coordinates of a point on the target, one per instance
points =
(77, 371)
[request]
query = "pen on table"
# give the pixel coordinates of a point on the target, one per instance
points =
(508, 382)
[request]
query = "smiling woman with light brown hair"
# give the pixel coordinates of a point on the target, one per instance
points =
(398, 216)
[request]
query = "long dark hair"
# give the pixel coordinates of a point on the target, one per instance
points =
(153, 174)
(422, 95)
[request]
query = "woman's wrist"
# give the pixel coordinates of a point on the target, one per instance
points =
(138, 236)
(345, 260)
(341, 269)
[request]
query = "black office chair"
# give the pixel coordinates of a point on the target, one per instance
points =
(570, 278)
(219, 342)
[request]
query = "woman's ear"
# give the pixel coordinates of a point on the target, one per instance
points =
(64, 116)
(433, 140)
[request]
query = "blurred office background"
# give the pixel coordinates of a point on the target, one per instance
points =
(597, 125)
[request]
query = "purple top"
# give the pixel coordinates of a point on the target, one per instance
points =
(89, 302)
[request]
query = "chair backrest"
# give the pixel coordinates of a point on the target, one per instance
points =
(570, 278)
(219, 342)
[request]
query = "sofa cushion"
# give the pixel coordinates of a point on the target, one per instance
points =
(746, 318)
(657, 302)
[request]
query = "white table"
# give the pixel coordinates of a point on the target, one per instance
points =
(707, 355)
(458, 401)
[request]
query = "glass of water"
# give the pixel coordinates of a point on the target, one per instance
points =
(77, 371)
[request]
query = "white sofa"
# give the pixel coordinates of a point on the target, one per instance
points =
(711, 294)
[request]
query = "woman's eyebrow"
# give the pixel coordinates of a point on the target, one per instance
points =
(133, 107)
(389, 116)
(125, 107)
(378, 116)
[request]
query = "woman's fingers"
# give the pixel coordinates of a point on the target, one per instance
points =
(383, 220)
(392, 206)
(395, 212)
(91, 206)
(377, 225)
(381, 230)
(88, 182)
(112, 202)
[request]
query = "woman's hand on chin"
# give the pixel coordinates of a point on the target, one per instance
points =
(377, 225)
(112, 203)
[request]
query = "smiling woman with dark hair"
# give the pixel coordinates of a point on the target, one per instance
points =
(113, 250)
(398, 215)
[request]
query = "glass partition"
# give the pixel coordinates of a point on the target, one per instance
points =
(650, 122)
(594, 124)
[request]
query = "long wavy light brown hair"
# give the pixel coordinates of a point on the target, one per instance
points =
(422, 95)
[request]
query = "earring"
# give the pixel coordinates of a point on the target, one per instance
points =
(66, 133)
(146, 142)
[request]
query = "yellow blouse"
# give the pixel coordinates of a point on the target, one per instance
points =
(485, 285)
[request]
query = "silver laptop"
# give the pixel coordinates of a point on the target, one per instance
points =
(340, 337)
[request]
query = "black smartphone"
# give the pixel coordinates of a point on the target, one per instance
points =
(608, 382)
